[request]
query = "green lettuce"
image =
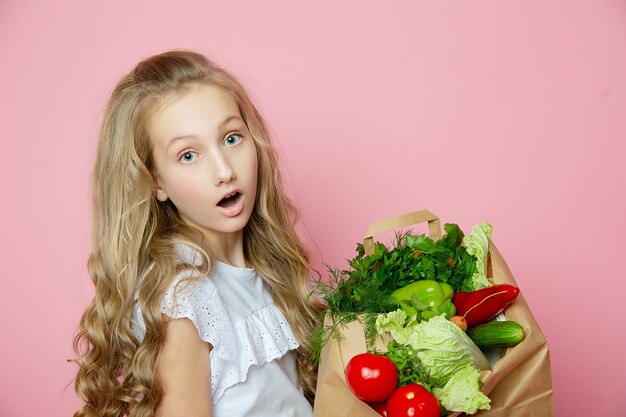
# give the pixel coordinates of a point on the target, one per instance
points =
(441, 353)
(477, 244)
(462, 392)
(441, 345)
(444, 349)
(394, 323)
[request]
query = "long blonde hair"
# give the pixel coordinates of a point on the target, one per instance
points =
(132, 230)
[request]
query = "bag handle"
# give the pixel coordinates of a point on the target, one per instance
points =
(403, 220)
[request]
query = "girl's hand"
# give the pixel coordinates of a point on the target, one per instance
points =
(184, 370)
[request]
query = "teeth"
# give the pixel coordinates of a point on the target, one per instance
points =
(230, 195)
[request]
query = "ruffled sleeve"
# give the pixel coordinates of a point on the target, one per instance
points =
(198, 301)
(232, 310)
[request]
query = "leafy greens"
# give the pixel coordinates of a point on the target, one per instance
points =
(438, 355)
(365, 288)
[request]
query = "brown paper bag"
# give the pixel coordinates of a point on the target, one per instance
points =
(519, 384)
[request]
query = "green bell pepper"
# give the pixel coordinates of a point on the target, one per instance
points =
(428, 292)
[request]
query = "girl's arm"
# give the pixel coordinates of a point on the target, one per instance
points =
(183, 367)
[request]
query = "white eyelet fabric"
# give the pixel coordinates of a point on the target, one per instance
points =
(233, 311)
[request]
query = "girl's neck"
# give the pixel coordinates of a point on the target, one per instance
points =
(228, 248)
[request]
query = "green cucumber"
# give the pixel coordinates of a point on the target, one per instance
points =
(496, 334)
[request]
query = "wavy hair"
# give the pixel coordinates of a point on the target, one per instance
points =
(134, 236)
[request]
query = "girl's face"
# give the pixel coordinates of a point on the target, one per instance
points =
(206, 161)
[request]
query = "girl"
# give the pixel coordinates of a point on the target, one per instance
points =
(201, 305)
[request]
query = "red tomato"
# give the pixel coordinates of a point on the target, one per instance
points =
(372, 378)
(412, 400)
(380, 408)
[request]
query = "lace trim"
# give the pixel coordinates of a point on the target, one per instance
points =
(260, 338)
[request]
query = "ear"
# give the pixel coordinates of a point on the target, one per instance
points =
(159, 192)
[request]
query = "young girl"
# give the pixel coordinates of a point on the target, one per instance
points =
(201, 305)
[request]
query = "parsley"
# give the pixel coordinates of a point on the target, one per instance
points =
(410, 368)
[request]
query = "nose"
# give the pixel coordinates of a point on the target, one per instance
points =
(223, 169)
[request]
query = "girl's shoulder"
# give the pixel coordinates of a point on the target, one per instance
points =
(183, 253)
(188, 254)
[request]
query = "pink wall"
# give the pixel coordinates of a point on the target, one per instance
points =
(509, 113)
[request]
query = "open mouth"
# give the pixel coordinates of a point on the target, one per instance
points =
(229, 201)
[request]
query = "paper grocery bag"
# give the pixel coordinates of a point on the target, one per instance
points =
(519, 384)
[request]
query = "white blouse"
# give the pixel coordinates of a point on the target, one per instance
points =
(253, 368)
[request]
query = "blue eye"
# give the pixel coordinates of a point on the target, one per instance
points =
(230, 141)
(187, 157)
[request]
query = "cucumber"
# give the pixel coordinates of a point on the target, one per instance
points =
(496, 334)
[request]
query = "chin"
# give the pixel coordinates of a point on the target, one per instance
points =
(233, 225)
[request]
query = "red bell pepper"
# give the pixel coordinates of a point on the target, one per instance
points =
(480, 306)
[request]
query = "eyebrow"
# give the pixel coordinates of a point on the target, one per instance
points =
(221, 125)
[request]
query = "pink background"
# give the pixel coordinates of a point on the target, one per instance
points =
(507, 112)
